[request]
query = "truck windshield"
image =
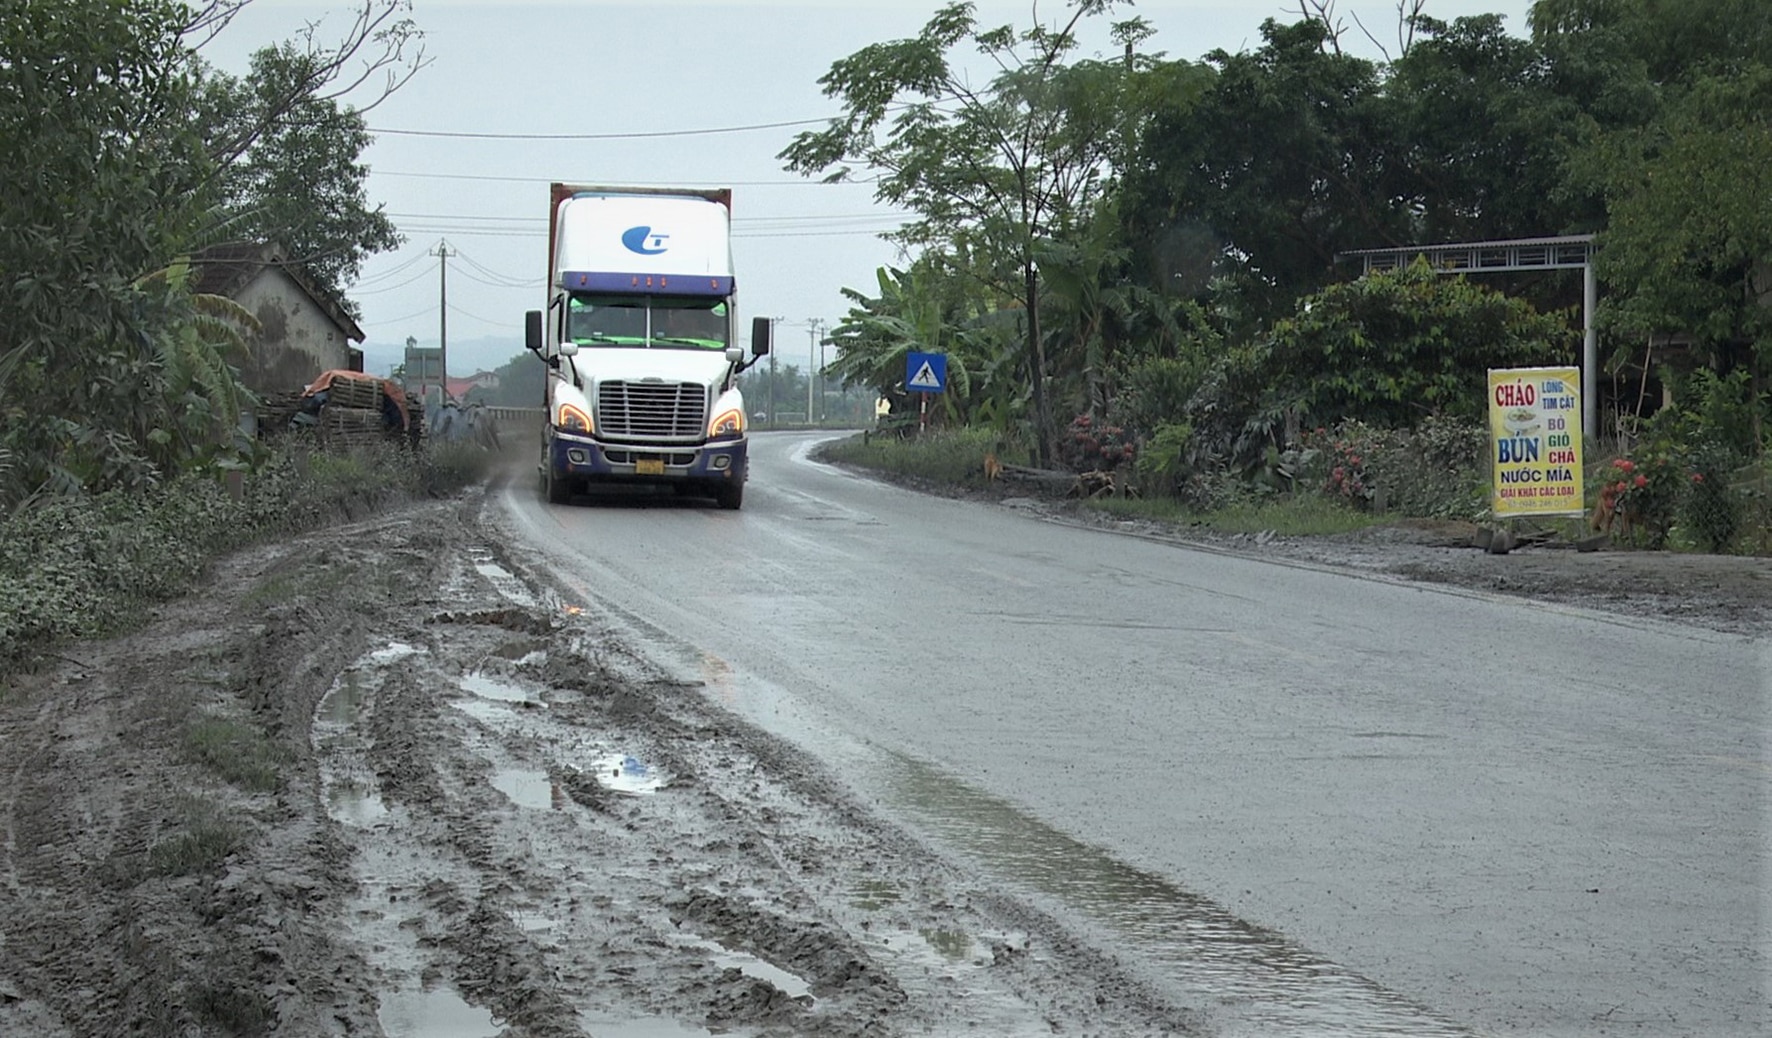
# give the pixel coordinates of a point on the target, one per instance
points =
(647, 321)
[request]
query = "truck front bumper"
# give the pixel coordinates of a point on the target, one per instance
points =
(583, 458)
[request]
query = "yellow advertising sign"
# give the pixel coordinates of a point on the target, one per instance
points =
(1535, 436)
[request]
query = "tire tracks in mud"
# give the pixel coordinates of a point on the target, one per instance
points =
(440, 845)
(747, 893)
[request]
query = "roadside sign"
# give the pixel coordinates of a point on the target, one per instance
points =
(1535, 441)
(926, 372)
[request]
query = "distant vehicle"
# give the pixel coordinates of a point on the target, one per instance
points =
(638, 337)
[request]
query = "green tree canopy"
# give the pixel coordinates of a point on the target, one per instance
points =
(1394, 347)
(988, 170)
(298, 178)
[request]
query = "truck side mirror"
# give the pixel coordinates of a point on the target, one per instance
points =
(760, 327)
(532, 330)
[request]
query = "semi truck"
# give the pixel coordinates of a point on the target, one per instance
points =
(639, 339)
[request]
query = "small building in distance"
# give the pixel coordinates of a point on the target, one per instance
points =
(304, 330)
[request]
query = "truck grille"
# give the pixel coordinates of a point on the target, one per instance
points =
(653, 410)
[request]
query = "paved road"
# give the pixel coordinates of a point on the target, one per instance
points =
(1312, 803)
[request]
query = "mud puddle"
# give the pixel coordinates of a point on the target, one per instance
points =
(434, 1014)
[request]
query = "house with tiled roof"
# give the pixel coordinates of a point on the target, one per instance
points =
(304, 330)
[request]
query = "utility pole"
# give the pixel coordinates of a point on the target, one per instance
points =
(443, 253)
(812, 326)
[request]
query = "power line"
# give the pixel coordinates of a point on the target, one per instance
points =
(495, 324)
(356, 291)
(550, 180)
(466, 135)
(515, 233)
(736, 219)
(386, 274)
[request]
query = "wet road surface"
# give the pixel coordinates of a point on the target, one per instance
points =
(1311, 803)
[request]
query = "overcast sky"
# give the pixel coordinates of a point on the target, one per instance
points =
(591, 80)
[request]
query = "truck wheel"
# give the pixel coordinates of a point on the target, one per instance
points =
(731, 497)
(558, 491)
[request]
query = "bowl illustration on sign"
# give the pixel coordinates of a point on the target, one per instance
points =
(1520, 421)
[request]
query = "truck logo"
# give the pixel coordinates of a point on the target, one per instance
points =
(643, 241)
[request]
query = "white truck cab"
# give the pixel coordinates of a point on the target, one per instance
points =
(639, 341)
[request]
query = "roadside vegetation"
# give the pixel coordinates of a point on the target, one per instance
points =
(84, 565)
(124, 467)
(1135, 264)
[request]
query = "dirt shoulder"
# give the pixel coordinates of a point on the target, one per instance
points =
(1726, 593)
(383, 779)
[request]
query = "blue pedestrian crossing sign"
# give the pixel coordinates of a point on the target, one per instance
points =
(926, 372)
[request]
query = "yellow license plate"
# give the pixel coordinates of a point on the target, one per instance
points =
(649, 467)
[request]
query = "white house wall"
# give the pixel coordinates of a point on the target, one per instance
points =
(297, 340)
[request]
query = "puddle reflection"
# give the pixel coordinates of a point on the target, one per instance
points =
(527, 788)
(491, 688)
(434, 1014)
(354, 805)
(751, 966)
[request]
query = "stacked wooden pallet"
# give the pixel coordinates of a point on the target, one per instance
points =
(276, 411)
(361, 393)
(354, 426)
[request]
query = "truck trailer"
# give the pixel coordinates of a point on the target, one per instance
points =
(639, 339)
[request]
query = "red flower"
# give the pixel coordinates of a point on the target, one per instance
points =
(1624, 465)
(1642, 480)
(1697, 477)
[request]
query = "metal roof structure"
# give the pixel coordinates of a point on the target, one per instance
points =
(1563, 252)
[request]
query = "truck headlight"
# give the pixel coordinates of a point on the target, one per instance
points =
(727, 425)
(573, 420)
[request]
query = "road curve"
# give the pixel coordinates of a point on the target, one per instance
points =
(1486, 813)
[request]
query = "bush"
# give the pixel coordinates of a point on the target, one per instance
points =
(1438, 470)
(1712, 509)
(1092, 446)
(84, 565)
(949, 456)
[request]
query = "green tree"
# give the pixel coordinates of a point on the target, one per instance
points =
(1684, 170)
(1394, 347)
(991, 170)
(522, 382)
(112, 373)
(288, 147)
(1278, 165)
(1476, 136)
(104, 183)
(300, 183)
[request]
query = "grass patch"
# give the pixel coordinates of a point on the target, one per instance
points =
(237, 752)
(206, 840)
(955, 457)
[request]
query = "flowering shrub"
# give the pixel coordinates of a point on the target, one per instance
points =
(1091, 445)
(1644, 493)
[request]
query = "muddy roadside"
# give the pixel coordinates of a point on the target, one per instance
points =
(384, 780)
